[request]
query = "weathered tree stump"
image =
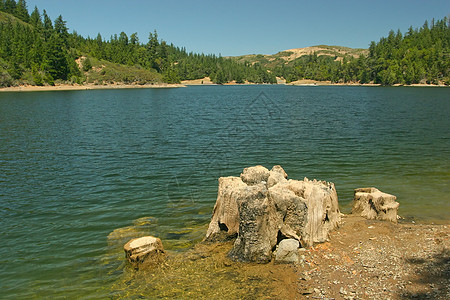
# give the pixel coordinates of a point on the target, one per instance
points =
(262, 207)
(147, 250)
(371, 203)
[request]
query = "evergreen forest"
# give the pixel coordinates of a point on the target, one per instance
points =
(36, 50)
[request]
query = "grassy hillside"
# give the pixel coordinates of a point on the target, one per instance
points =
(5, 18)
(105, 72)
(100, 72)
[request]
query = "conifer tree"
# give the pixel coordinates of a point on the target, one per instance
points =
(61, 30)
(10, 6)
(35, 20)
(21, 11)
(48, 26)
(56, 61)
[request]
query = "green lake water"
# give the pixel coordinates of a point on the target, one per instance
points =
(83, 171)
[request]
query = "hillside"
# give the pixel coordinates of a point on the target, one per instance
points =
(419, 56)
(5, 18)
(34, 50)
(287, 56)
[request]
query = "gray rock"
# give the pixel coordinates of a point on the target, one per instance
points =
(287, 251)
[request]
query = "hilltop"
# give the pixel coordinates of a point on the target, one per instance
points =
(291, 55)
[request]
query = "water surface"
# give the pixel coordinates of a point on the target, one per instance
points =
(77, 165)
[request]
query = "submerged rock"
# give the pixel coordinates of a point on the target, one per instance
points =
(287, 251)
(144, 250)
(371, 203)
(120, 236)
(263, 207)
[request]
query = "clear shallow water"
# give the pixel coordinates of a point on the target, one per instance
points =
(75, 166)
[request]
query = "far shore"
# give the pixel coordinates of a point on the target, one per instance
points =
(198, 82)
(79, 87)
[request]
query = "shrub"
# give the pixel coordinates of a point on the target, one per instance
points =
(87, 65)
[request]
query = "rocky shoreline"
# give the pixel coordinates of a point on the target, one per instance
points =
(364, 259)
(329, 255)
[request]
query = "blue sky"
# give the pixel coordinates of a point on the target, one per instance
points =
(246, 27)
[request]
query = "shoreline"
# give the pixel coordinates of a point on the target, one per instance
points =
(363, 259)
(77, 87)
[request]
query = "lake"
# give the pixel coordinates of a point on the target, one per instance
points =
(83, 171)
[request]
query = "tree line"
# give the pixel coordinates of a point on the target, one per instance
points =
(419, 56)
(36, 50)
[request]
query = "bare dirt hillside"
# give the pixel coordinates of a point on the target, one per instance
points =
(290, 55)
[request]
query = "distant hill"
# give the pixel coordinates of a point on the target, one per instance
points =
(288, 57)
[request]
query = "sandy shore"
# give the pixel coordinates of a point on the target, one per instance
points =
(76, 87)
(309, 82)
(303, 82)
(199, 82)
(203, 81)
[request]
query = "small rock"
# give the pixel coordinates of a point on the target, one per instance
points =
(307, 290)
(287, 251)
(306, 277)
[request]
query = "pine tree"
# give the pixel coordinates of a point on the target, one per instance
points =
(56, 61)
(21, 11)
(48, 26)
(61, 30)
(35, 20)
(10, 6)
